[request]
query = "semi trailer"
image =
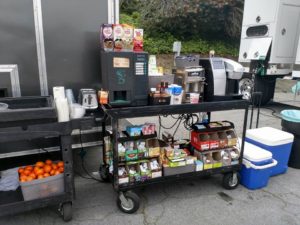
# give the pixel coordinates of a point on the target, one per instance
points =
(270, 46)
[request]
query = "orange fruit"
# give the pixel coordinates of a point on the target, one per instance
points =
(29, 168)
(46, 175)
(40, 164)
(52, 172)
(48, 162)
(57, 172)
(40, 177)
(54, 166)
(23, 179)
(47, 168)
(21, 170)
(61, 169)
(32, 175)
(39, 172)
(60, 164)
(26, 172)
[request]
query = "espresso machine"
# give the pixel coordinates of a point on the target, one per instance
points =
(190, 76)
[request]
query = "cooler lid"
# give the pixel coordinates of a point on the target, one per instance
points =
(256, 154)
(270, 136)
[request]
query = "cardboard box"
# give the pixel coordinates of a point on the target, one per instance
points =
(124, 178)
(131, 155)
(138, 40)
(118, 34)
(127, 37)
(234, 160)
(145, 175)
(133, 166)
(154, 147)
(207, 160)
(155, 172)
(169, 171)
(199, 165)
(231, 137)
(217, 159)
(107, 37)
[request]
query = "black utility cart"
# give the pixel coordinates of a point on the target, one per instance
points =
(32, 118)
(128, 201)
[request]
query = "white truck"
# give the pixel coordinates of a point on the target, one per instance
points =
(270, 46)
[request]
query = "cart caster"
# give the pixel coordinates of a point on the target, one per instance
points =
(66, 211)
(104, 173)
(128, 202)
(231, 180)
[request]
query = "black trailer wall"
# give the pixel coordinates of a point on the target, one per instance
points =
(71, 37)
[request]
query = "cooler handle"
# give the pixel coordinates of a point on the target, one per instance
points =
(248, 164)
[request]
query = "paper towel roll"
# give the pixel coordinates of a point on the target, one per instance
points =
(59, 93)
(63, 111)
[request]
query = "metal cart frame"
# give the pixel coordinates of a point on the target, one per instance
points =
(129, 201)
(63, 131)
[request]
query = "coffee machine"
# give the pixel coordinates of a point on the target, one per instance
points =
(125, 76)
(190, 76)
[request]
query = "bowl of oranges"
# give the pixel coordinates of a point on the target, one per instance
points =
(44, 179)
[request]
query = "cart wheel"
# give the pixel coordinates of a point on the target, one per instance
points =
(128, 202)
(66, 211)
(104, 173)
(231, 180)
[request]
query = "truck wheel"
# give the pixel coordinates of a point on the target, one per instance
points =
(263, 84)
(245, 86)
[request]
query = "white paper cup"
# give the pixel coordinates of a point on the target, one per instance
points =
(194, 98)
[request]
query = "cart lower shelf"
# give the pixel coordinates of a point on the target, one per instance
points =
(13, 203)
(221, 170)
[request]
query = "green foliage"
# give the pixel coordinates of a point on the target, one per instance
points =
(134, 19)
(162, 42)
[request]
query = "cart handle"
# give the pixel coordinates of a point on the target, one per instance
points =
(248, 164)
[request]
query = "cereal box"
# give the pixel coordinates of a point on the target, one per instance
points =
(107, 41)
(138, 40)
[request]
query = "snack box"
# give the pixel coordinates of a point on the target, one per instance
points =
(155, 172)
(107, 37)
(127, 37)
(131, 155)
(199, 165)
(138, 40)
(133, 171)
(134, 130)
(118, 34)
(123, 179)
(145, 174)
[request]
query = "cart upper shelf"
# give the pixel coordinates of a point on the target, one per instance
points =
(144, 111)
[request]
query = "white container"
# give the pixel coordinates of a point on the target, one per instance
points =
(43, 188)
(63, 110)
(76, 111)
(59, 93)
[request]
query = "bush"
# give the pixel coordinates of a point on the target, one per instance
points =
(162, 43)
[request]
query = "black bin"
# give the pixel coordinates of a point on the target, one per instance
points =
(293, 128)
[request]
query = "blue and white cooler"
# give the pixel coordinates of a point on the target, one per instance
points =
(278, 142)
(257, 165)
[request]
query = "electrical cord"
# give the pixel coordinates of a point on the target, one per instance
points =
(83, 165)
(188, 121)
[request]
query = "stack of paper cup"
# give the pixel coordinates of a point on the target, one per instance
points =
(61, 102)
